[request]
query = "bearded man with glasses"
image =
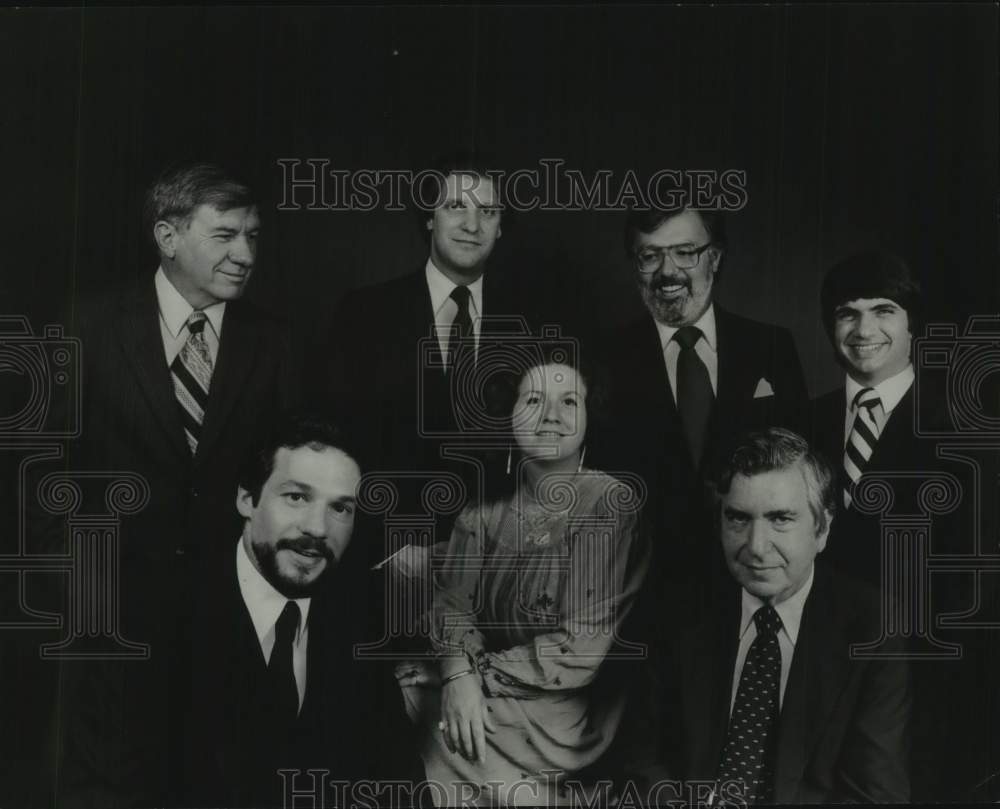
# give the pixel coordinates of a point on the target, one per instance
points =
(688, 378)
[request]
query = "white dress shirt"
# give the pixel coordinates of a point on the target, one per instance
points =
(706, 348)
(890, 392)
(174, 312)
(790, 612)
(445, 309)
(265, 604)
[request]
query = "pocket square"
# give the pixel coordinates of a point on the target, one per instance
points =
(764, 389)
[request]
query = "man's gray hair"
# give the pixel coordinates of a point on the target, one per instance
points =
(775, 449)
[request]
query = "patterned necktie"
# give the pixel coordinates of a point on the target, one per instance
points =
(694, 391)
(462, 323)
(191, 372)
(862, 440)
(748, 755)
(280, 668)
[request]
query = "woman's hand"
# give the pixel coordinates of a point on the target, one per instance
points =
(417, 673)
(465, 717)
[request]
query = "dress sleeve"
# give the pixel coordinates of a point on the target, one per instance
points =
(455, 636)
(608, 560)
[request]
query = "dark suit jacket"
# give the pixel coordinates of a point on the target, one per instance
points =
(131, 423)
(943, 771)
(131, 418)
(352, 723)
(854, 542)
(400, 406)
(644, 434)
(843, 731)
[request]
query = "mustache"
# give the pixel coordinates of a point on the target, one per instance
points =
(308, 545)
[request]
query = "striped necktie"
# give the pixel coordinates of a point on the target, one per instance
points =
(191, 372)
(862, 440)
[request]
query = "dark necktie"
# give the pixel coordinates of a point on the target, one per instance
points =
(861, 442)
(748, 755)
(191, 372)
(462, 324)
(694, 391)
(280, 670)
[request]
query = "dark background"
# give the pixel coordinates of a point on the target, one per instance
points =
(856, 125)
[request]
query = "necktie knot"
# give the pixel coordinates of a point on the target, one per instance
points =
(688, 336)
(866, 397)
(767, 620)
(461, 295)
(287, 624)
(196, 322)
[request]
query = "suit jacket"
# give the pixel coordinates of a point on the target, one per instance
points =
(843, 729)
(943, 771)
(644, 435)
(375, 360)
(352, 723)
(118, 754)
(131, 417)
(404, 407)
(854, 542)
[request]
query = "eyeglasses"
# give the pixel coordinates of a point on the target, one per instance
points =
(682, 256)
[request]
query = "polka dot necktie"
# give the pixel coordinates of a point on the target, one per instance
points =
(748, 755)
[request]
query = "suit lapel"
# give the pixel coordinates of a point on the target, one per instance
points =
(893, 444)
(234, 665)
(734, 373)
(649, 373)
(713, 683)
(815, 682)
(239, 348)
(142, 344)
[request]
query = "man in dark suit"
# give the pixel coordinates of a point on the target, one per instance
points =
(409, 358)
(274, 682)
(762, 700)
(872, 308)
(178, 374)
(687, 378)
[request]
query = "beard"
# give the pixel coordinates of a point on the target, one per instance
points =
(292, 586)
(670, 311)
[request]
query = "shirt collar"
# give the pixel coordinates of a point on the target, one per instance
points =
(175, 310)
(264, 603)
(789, 610)
(706, 323)
(440, 287)
(889, 391)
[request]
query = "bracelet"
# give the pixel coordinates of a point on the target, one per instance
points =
(451, 677)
